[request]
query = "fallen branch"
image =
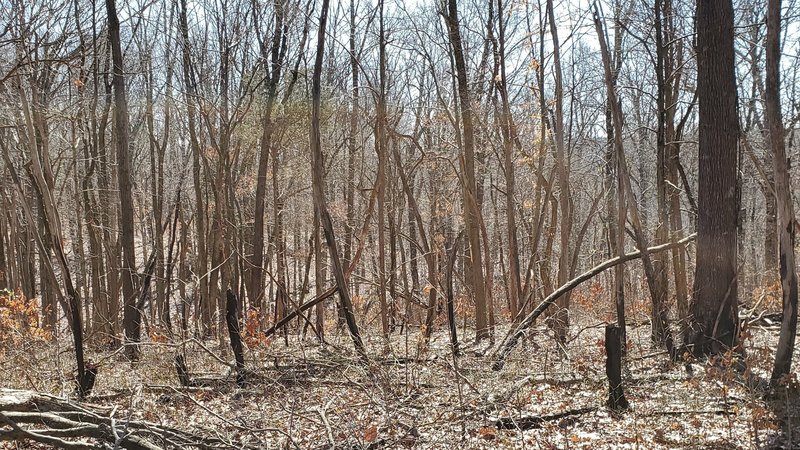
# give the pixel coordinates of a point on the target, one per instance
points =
(718, 412)
(61, 423)
(528, 422)
(321, 297)
(515, 334)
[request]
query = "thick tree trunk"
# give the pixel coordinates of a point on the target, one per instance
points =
(713, 311)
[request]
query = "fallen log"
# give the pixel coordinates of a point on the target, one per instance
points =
(529, 422)
(61, 423)
(515, 334)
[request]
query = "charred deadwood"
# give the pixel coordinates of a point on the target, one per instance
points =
(183, 371)
(529, 422)
(85, 381)
(165, 313)
(451, 315)
(616, 396)
(148, 279)
(516, 333)
(236, 339)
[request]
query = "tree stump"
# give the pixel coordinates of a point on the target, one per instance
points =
(86, 384)
(183, 371)
(236, 339)
(616, 397)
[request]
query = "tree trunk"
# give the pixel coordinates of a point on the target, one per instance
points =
(660, 262)
(317, 181)
(561, 316)
(672, 69)
(451, 315)
(713, 311)
(509, 135)
(656, 293)
(255, 286)
(613, 344)
(131, 315)
(190, 96)
(472, 212)
(783, 195)
(232, 319)
(381, 142)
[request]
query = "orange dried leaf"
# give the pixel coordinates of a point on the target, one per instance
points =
(371, 434)
(488, 433)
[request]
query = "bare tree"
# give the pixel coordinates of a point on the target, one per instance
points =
(272, 56)
(561, 316)
(472, 214)
(317, 181)
(131, 314)
(786, 219)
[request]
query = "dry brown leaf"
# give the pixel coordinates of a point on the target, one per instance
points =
(488, 433)
(371, 434)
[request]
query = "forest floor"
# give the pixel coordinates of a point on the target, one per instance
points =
(311, 396)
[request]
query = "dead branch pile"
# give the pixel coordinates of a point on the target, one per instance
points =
(69, 425)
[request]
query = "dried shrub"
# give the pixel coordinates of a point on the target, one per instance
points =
(19, 320)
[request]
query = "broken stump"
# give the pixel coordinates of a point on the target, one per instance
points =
(616, 396)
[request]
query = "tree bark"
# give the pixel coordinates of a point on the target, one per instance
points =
(783, 196)
(613, 344)
(713, 311)
(660, 262)
(190, 96)
(509, 135)
(472, 212)
(131, 315)
(561, 316)
(232, 319)
(381, 144)
(660, 322)
(317, 181)
(255, 285)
